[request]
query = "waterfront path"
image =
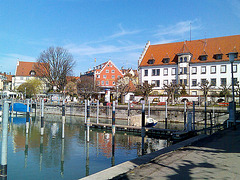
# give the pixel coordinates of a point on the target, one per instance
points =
(213, 157)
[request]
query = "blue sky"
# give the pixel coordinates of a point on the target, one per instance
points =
(107, 29)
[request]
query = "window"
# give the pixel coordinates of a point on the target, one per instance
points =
(151, 61)
(146, 72)
(165, 82)
(156, 83)
(203, 57)
(213, 82)
(107, 71)
(174, 81)
(98, 82)
(104, 76)
(181, 60)
(203, 70)
(218, 56)
(98, 76)
(185, 70)
(223, 68)
(118, 77)
(194, 93)
(113, 77)
(203, 81)
(180, 70)
(173, 71)
(223, 81)
(102, 82)
(194, 70)
(194, 82)
(185, 81)
(145, 82)
(106, 82)
(165, 71)
(166, 60)
(181, 81)
(235, 81)
(21, 78)
(234, 68)
(113, 83)
(113, 71)
(213, 69)
(155, 72)
(185, 59)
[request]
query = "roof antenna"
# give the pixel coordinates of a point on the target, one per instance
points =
(190, 31)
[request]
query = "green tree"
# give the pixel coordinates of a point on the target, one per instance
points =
(31, 87)
(225, 92)
(205, 86)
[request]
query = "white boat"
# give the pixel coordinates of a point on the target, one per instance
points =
(151, 122)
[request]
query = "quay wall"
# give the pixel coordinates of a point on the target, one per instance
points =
(158, 113)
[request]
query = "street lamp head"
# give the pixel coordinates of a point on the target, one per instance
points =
(231, 56)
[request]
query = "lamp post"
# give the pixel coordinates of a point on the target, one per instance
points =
(231, 59)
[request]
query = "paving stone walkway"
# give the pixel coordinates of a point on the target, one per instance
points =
(214, 157)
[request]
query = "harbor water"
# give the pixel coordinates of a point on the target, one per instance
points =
(32, 156)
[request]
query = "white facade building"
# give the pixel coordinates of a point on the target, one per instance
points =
(191, 63)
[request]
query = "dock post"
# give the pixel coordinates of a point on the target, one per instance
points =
(63, 118)
(42, 117)
(149, 108)
(113, 150)
(41, 152)
(12, 108)
(27, 117)
(113, 118)
(3, 171)
(31, 107)
(62, 158)
(205, 119)
(97, 110)
(128, 112)
(88, 119)
(85, 111)
(193, 117)
(87, 160)
(185, 114)
(166, 115)
(143, 127)
(26, 150)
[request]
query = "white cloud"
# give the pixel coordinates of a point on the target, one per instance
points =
(177, 29)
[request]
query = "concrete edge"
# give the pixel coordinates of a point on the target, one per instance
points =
(129, 165)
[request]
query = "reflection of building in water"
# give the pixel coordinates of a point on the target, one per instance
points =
(105, 144)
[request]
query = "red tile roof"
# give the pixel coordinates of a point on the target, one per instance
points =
(24, 68)
(210, 47)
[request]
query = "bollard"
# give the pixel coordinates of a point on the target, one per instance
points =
(97, 110)
(128, 112)
(42, 117)
(88, 119)
(185, 114)
(193, 117)
(3, 171)
(27, 117)
(166, 115)
(85, 112)
(113, 118)
(63, 118)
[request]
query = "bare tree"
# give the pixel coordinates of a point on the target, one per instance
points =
(71, 89)
(53, 65)
(172, 91)
(237, 90)
(86, 86)
(124, 85)
(205, 87)
(144, 90)
(225, 92)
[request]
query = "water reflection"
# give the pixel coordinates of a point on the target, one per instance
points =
(51, 157)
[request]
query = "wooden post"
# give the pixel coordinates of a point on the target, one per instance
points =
(113, 118)
(63, 118)
(128, 112)
(27, 117)
(97, 111)
(88, 119)
(42, 117)
(85, 112)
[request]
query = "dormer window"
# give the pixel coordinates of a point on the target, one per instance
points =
(203, 57)
(151, 61)
(32, 73)
(181, 60)
(235, 55)
(218, 56)
(166, 60)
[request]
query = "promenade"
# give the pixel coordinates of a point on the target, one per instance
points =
(213, 157)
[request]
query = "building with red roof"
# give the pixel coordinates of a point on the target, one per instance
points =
(190, 63)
